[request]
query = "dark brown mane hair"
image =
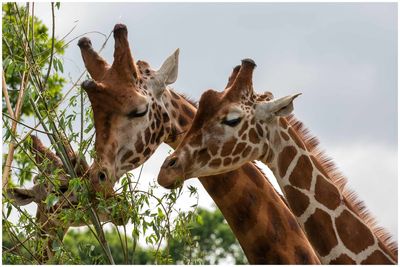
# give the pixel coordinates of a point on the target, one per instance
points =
(187, 98)
(352, 200)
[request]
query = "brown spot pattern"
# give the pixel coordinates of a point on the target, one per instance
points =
(126, 156)
(139, 146)
(182, 121)
(135, 160)
(259, 130)
(175, 104)
(228, 147)
(213, 149)
(343, 259)
(215, 163)
(147, 152)
(283, 123)
(285, 158)
(297, 200)
(270, 156)
(203, 157)
(165, 117)
(296, 138)
(318, 166)
(301, 175)
(188, 111)
(253, 136)
(320, 232)
(126, 167)
(147, 136)
(354, 234)
(376, 258)
(246, 151)
(175, 95)
(235, 159)
(239, 148)
(284, 136)
(227, 161)
(326, 193)
(244, 128)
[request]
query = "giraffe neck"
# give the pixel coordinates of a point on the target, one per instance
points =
(257, 215)
(333, 225)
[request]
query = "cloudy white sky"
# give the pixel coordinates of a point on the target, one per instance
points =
(341, 56)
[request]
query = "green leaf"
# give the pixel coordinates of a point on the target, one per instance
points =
(160, 213)
(9, 208)
(55, 64)
(51, 200)
(55, 245)
(199, 220)
(60, 66)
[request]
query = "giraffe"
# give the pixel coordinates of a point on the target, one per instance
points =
(233, 127)
(50, 227)
(259, 218)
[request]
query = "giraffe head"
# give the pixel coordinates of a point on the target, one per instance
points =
(50, 163)
(127, 109)
(230, 128)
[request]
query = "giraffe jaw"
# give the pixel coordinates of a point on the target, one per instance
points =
(170, 178)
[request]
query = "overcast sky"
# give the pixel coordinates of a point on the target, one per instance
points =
(342, 57)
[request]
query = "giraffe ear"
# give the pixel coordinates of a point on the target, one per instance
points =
(22, 196)
(168, 73)
(280, 107)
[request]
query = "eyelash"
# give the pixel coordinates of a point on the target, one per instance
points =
(232, 123)
(134, 114)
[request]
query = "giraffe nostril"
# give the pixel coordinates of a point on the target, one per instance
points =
(102, 176)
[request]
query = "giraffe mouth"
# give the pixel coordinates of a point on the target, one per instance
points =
(175, 184)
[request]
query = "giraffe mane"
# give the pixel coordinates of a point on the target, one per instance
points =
(187, 98)
(334, 174)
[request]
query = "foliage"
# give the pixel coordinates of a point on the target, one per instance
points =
(215, 244)
(170, 235)
(26, 54)
(14, 52)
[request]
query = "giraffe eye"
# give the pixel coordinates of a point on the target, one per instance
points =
(134, 113)
(231, 122)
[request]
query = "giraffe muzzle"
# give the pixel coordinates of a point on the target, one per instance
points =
(171, 175)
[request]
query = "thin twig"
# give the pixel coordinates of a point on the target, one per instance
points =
(18, 108)
(6, 97)
(52, 46)
(30, 127)
(22, 244)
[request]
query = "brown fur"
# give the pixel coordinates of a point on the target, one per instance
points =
(284, 161)
(376, 258)
(301, 175)
(299, 201)
(326, 193)
(320, 222)
(346, 224)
